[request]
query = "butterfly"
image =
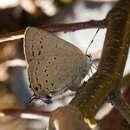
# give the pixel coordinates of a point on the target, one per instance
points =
(54, 65)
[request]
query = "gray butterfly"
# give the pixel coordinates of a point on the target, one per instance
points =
(54, 65)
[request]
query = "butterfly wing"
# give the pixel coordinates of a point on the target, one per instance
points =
(53, 63)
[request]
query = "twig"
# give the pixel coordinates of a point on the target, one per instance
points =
(24, 113)
(75, 26)
(121, 105)
(56, 28)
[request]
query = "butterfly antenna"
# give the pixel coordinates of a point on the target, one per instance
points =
(92, 40)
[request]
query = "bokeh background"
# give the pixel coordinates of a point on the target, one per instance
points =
(16, 15)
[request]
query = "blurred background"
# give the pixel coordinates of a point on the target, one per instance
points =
(16, 15)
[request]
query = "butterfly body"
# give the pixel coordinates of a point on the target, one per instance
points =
(54, 65)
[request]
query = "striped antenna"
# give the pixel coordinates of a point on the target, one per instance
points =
(92, 40)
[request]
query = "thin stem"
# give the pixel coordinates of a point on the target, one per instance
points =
(76, 26)
(56, 28)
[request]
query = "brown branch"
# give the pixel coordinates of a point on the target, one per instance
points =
(107, 78)
(56, 28)
(75, 26)
(24, 113)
